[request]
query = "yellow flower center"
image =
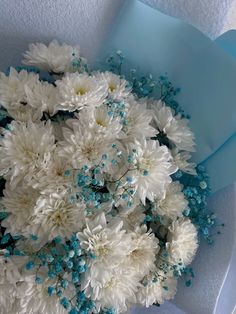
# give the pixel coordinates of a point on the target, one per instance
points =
(112, 87)
(57, 218)
(131, 121)
(79, 90)
(88, 152)
(101, 122)
(111, 283)
(146, 163)
(101, 250)
(136, 254)
(59, 171)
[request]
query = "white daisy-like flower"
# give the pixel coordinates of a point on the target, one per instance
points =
(118, 88)
(77, 91)
(143, 252)
(58, 216)
(108, 242)
(9, 278)
(152, 169)
(174, 203)
(12, 87)
(100, 122)
(35, 298)
(53, 58)
(181, 161)
(25, 113)
(132, 217)
(83, 147)
(162, 114)
(117, 291)
(158, 288)
(11, 302)
(52, 178)
(13, 96)
(25, 149)
(174, 127)
(19, 203)
(107, 283)
(138, 119)
(42, 96)
(180, 134)
(182, 241)
(110, 245)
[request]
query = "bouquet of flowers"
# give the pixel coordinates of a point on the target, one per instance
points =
(101, 205)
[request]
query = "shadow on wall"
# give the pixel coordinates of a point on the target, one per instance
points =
(84, 23)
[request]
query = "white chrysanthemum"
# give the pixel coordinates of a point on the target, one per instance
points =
(117, 291)
(182, 241)
(175, 127)
(117, 86)
(174, 203)
(132, 217)
(82, 147)
(110, 245)
(25, 113)
(105, 282)
(154, 167)
(108, 242)
(9, 277)
(19, 202)
(53, 58)
(13, 95)
(138, 119)
(158, 288)
(52, 178)
(99, 122)
(42, 96)
(144, 249)
(35, 298)
(12, 87)
(80, 90)
(180, 134)
(58, 216)
(181, 161)
(25, 149)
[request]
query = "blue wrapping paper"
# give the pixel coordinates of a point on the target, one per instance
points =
(206, 73)
(158, 44)
(221, 163)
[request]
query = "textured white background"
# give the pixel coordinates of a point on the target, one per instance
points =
(211, 16)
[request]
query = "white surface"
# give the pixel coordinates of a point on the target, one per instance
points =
(230, 22)
(212, 17)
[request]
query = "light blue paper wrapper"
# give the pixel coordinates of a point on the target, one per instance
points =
(206, 73)
(158, 44)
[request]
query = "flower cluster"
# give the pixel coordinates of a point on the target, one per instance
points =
(95, 213)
